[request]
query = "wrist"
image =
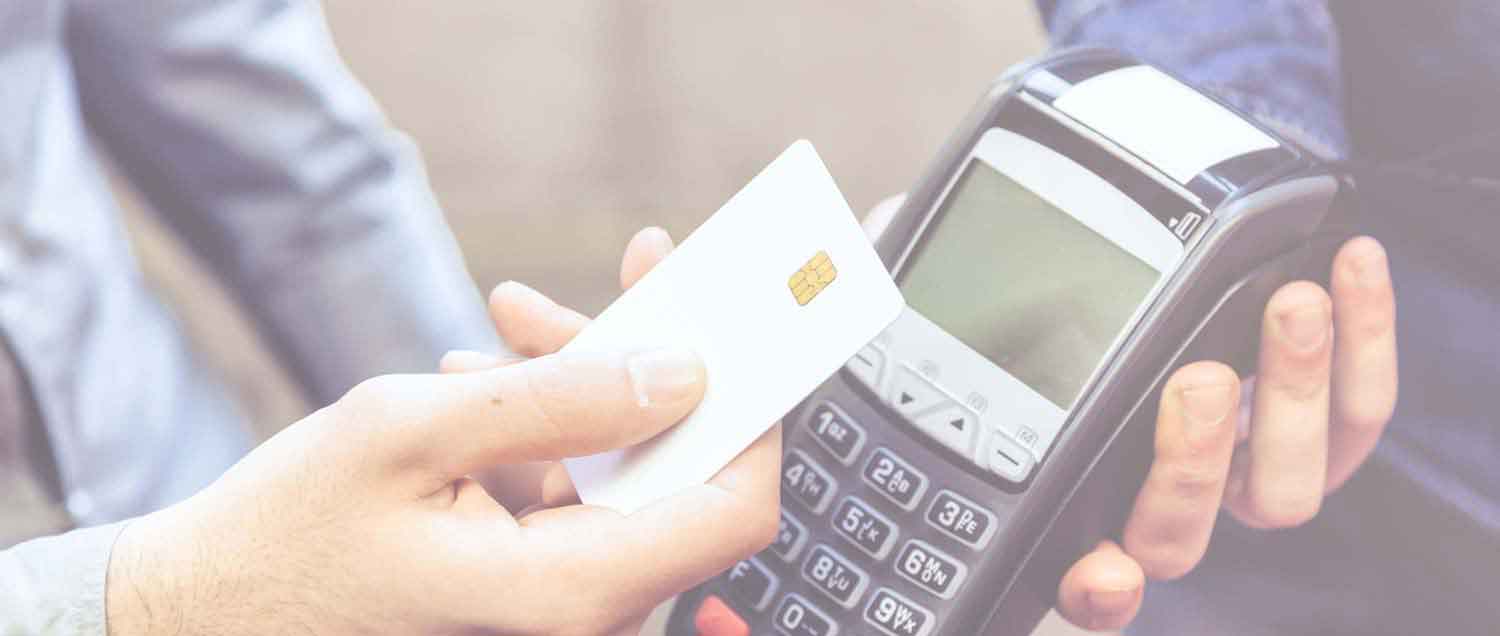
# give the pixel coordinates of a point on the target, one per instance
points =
(147, 587)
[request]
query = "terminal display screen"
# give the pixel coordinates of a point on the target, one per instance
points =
(1023, 283)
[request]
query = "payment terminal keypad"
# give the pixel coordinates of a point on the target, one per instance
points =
(870, 543)
(961, 519)
(835, 576)
(790, 537)
(865, 528)
(836, 432)
(930, 569)
(912, 394)
(1007, 451)
(897, 615)
(797, 617)
(952, 426)
(893, 477)
(751, 583)
(1006, 458)
(806, 481)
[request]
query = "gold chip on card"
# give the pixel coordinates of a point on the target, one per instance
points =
(809, 281)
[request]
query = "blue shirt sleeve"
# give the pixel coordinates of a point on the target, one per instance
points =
(55, 585)
(1275, 59)
(238, 121)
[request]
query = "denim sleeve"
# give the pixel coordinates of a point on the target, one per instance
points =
(1275, 59)
(55, 585)
(238, 121)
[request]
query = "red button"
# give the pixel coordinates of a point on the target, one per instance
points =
(716, 618)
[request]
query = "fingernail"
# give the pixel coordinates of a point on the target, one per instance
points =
(1305, 328)
(1370, 266)
(658, 238)
(663, 376)
(1205, 408)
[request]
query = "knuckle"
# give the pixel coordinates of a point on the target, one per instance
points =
(378, 416)
(1192, 450)
(552, 414)
(1370, 329)
(1371, 319)
(1194, 481)
(372, 396)
(1167, 548)
(1299, 387)
(581, 403)
(1299, 374)
(1378, 326)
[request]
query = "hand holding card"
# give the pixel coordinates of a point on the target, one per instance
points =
(775, 291)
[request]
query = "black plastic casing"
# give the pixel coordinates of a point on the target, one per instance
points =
(1270, 217)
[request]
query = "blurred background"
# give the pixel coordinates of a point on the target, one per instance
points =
(553, 131)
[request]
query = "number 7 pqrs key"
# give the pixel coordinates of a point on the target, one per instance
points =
(790, 535)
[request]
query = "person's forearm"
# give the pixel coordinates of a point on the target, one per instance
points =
(282, 172)
(56, 585)
(1277, 60)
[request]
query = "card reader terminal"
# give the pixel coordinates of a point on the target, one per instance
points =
(1093, 224)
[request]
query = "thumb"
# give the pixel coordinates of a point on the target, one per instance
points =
(547, 408)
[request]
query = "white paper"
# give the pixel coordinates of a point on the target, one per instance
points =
(724, 292)
(1161, 120)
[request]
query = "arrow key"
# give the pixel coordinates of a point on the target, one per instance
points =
(954, 427)
(911, 394)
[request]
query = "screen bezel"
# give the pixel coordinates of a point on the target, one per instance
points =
(1071, 187)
